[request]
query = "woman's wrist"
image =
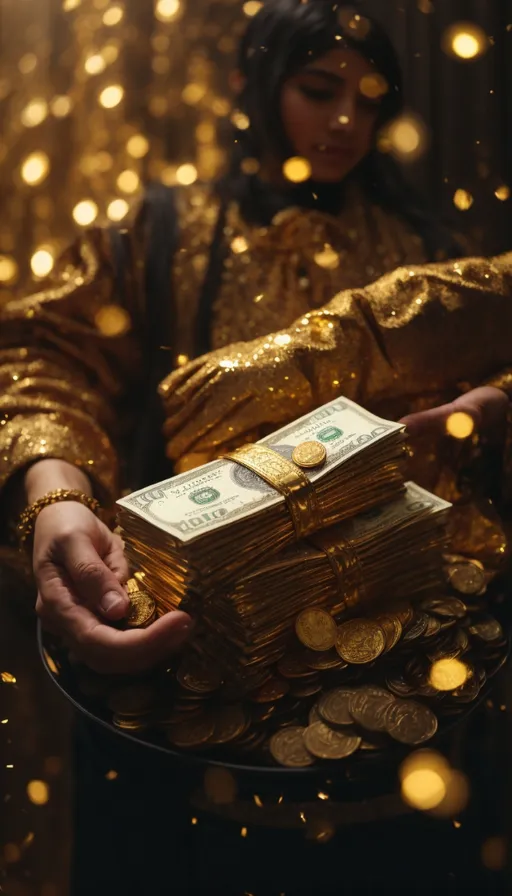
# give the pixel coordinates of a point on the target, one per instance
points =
(50, 474)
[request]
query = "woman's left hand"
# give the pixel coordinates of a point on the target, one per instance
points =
(486, 406)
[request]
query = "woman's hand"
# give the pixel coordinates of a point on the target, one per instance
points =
(486, 406)
(79, 566)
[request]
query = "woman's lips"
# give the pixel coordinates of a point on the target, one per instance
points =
(333, 151)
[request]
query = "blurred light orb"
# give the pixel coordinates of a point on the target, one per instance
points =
(297, 169)
(205, 132)
(112, 320)
(117, 209)
(38, 792)
(186, 174)
(113, 16)
(110, 53)
(167, 10)
(423, 788)
(27, 63)
(35, 168)
(193, 93)
(495, 853)
(61, 106)
(34, 113)
(406, 138)
(463, 200)
(8, 269)
(68, 5)
(465, 40)
(250, 165)
(502, 193)
(239, 244)
(85, 212)
(111, 96)
(240, 120)
(252, 7)
(327, 258)
(42, 262)
(460, 425)
(373, 86)
(137, 146)
(448, 674)
(95, 64)
(128, 181)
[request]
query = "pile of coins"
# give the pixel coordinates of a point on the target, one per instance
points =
(361, 685)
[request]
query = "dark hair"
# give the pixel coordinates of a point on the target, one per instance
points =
(284, 36)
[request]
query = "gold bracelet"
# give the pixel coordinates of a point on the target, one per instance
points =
(27, 521)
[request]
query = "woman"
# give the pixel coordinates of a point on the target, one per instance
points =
(252, 256)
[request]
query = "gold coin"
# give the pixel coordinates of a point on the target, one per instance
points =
(392, 628)
(466, 577)
(323, 661)
(142, 609)
(368, 706)
(487, 630)
(129, 723)
(410, 722)
(230, 722)
(293, 666)
(193, 732)
(193, 675)
(273, 689)
(360, 641)
(323, 742)
(309, 455)
(288, 748)
(132, 700)
(333, 707)
(316, 629)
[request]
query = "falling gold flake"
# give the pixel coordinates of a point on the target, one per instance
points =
(297, 169)
(322, 796)
(240, 120)
(327, 258)
(239, 244)
(356, 25)
(112, 320)
(252, 7)
(460, 425)
(38, 792)
(344, 119)
(8, 678)
(193, 820)
(502, 193)
(463, 200)
(243, 832)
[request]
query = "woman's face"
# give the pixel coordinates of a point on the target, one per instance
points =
(327, 118)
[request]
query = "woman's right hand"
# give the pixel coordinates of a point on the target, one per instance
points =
(79, 565)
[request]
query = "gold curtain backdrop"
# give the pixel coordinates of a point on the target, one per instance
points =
(97, 97)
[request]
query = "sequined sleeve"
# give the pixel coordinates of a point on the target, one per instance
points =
(68, 352)
(419, 331)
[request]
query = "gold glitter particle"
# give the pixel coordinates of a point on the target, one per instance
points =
(193, 821)
(297, 169)
(243, 832)
(463, 200)
(344, 119)
(502, 193)
(239, 244)
(406, 138)
(373, 86)
(38, 792)
(112, 775)
(322, 796)
(240, 120)
(252, 7)
(460, 425)
(7, 678)
(328, 258)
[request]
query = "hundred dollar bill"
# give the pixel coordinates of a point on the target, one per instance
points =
(221, 493)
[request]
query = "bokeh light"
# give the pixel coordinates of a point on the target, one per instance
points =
(423, 788)
(34, 113)
(42, 262)
(502, 193)
(128, 181)
(95, 64)
(112, 321)
(85, 212)
(117, 209)
(186, 174)
(495, 853)
(167, 10)
(465, 40)
(297, 170)
(373, 86)
(35, 168)
(406, 138)
(327, 258)
(111, 96)
(8, 269)
(460, 425)
(38, 792)
(447, 674)
(113, 15)
(137, 146)
(61, 106)
(252, 7)
(463, 200)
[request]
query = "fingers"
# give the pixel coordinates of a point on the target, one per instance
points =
(486, 406)
(115, 559)
(95, 583)
(428, 423)
(108, 650)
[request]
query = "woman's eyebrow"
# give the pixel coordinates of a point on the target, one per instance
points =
(322, 73)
